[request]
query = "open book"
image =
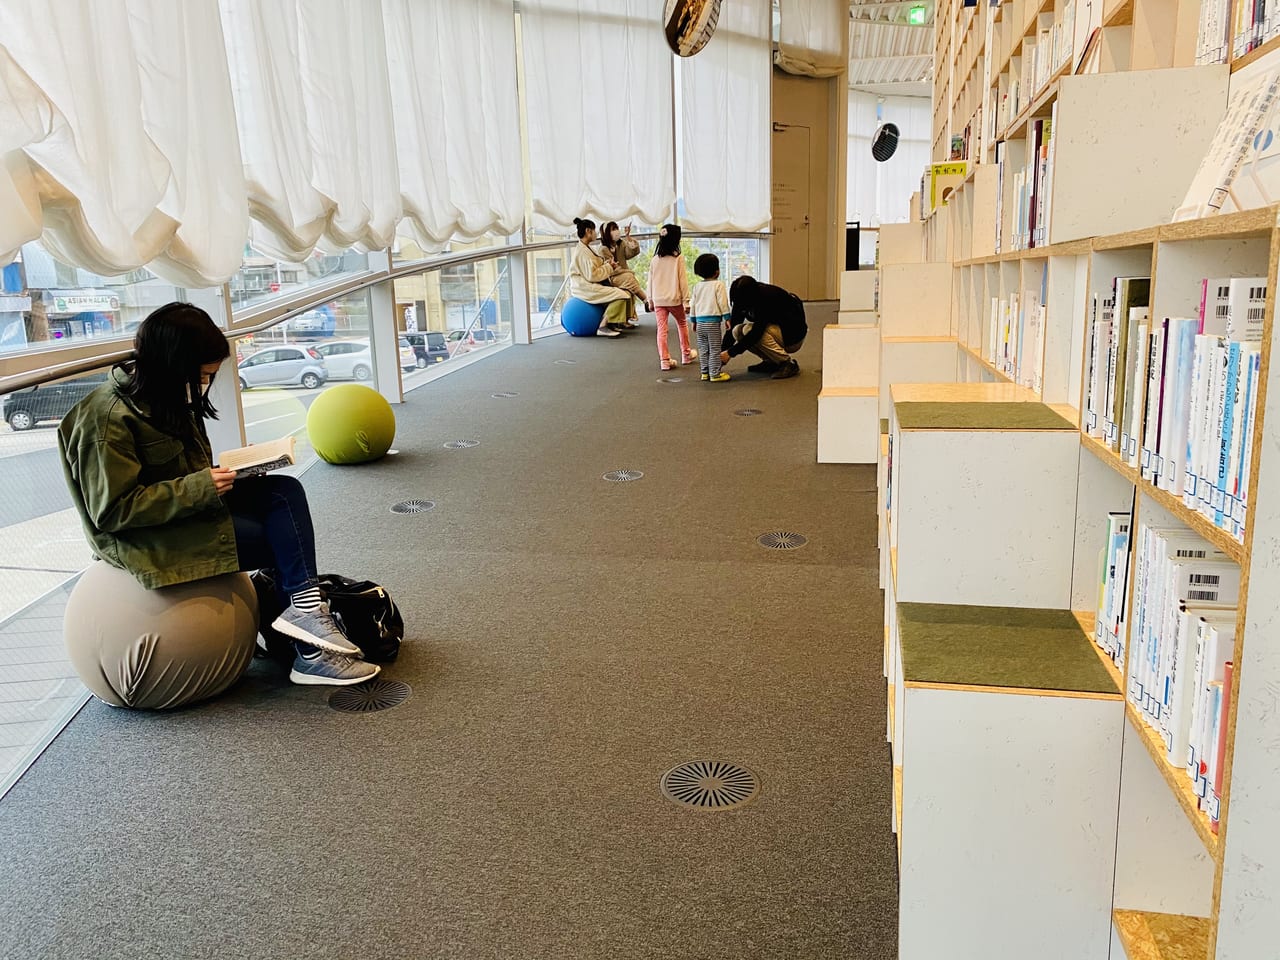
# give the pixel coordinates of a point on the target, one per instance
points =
(260, 458)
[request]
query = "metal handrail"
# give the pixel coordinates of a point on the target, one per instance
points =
(273, 313)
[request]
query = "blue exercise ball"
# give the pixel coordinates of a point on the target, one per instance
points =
(581, 319)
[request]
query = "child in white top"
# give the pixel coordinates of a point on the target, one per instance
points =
(710, 309)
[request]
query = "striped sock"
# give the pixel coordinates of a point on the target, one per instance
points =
(307, 600)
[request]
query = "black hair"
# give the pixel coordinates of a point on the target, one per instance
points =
(171, 345)
(607, 229)
(743, 290)
(668, 242)
(583, 226)
(707, 266)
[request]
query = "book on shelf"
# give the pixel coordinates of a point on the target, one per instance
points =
(1109, 622)
(259, 458)
(1130, 296)
(1239, 169)
(1213, 43)
(1184, 614)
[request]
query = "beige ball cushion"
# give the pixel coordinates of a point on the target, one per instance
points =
(159, 649)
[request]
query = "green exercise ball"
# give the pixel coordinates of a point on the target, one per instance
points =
(351, 424)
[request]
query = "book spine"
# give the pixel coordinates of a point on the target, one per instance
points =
(1220, 750)
(1231, 385)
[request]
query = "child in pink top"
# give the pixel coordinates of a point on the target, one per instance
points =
(669, 294)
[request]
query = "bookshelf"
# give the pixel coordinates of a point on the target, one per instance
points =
(1180, 885)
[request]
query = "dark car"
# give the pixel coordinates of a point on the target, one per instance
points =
(428, 347)
(23, 409)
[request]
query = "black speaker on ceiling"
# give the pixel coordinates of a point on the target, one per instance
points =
(885, 142)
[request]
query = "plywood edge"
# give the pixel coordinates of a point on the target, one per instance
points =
(1014, 691)
(918, 340)
(1162, 936)
(1245, 223)
(1087, 620)
(1145, 237)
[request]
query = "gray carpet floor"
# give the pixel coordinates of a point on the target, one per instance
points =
(569, 641)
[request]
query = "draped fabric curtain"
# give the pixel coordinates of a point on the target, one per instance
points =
(118, 139)
(313, 104)
(881, 192)
(457, 122)
(724, 106)
(599, 105)
(813, 37)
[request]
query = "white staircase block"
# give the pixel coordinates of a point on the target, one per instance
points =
(858, 290)
(915, 360)
(915, 300)
(850, 356)
(848, 425)
(859, 318)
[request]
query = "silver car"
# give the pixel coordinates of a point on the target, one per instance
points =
(347, 359)
(283, 366)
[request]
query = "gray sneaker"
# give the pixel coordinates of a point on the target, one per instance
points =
(316, 628)
(333, 669)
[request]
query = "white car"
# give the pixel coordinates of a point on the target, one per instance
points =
(347, 359)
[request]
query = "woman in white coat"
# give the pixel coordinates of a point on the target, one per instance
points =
(587, 275)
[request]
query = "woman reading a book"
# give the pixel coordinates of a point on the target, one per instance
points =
(138, 461)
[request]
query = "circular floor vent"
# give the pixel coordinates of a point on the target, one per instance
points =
(461, 444)
(413, 506)
(671, 379)
(623, 476)
(748, 412)
(504, 395)
(710, 785)
(371, 696)
(781, 540)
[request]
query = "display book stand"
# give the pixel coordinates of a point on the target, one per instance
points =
(1024, 797)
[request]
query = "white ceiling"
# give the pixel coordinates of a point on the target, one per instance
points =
(885, 50)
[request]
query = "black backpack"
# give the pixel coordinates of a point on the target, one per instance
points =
(364, 610)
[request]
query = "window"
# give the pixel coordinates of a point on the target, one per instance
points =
(262, 279)
(46, 303)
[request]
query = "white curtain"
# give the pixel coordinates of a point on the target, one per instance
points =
(813, 37)
(599, 103)
(453, 87)
(117, 137)
(313, 103)
(724, 105)
(881, 192)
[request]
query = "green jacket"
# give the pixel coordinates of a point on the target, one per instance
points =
(146, 498)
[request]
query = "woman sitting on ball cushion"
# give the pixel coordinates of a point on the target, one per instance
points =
(138, 461)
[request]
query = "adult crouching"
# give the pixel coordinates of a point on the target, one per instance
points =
(767, 321)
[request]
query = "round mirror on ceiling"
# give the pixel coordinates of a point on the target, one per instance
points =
(689, 24)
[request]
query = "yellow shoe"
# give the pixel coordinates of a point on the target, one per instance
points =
(720, 377)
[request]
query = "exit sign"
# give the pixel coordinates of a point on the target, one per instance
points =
(916, 16)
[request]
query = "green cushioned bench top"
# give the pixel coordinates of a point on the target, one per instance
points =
(916, 415)
(999, 647)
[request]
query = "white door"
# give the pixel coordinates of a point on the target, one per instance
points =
(789, 246)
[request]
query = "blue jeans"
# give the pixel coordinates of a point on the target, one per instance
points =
(273, 530)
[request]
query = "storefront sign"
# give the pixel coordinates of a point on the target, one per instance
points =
(88, 301)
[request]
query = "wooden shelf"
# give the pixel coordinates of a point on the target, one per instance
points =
(1128, 241)
(1176, 777)
(1087, 620)
(1119, 14)
(1196, 520)
(1255, 54)
(1226, 226)
(1162, 936)
(1041, 106)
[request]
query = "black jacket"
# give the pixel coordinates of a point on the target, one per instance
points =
(771, 305)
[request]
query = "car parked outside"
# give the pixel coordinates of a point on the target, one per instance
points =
(461, 341)
(283, 366)
(347, 359)
(408, 359)
(23, 409)
(428, 347)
